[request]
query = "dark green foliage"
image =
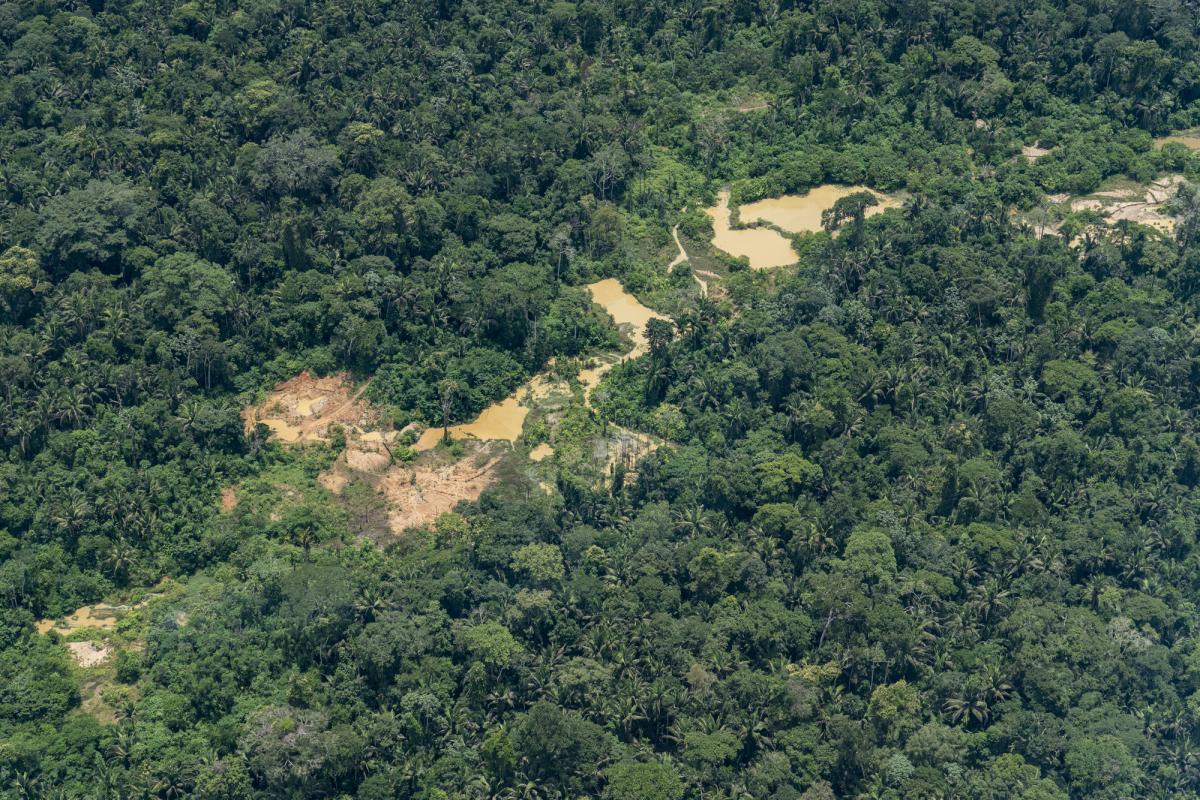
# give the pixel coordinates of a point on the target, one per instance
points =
(924, 524)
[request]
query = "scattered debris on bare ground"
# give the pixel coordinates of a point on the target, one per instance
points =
(624, 447)
(420, 493)
(1141, 203)
(303, 408)
(89, 654)
(1032, 152)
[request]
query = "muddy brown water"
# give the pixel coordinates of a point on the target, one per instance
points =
(503, 421)
(801, 213)
(762, 247)
(101, 615)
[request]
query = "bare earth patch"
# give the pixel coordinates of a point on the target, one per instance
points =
(417, 493)
(229, 499)
(1033, 152)
(303, 408)
(89, 654)
(1145, 204)
(624, 447)
(421, 493)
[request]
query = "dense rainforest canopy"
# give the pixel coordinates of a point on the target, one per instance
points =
(921, 520)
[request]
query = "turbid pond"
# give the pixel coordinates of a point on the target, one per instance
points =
(762, 247)
(504, 420)
(796, 213)
(801, 213)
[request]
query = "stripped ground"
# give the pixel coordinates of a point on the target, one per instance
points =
(541, 452)
(229, 499)
(421, 493)
(303, 408)
(624, 447)
(1141, 203)
(1032, 152)
(89, 654)
(418, 493)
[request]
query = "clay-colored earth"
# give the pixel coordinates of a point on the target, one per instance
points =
(541, 452)
(303, 408)
(89, 654)
(419, 494)
(1033, 152)
(229, 499)
(1141, 203)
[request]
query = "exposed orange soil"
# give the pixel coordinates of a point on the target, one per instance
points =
(419, 494)
(229, 499)
(303, 408)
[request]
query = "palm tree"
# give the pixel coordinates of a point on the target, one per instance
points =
(370, 603)
(119, 559)
(691, 520)
(305, 537)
